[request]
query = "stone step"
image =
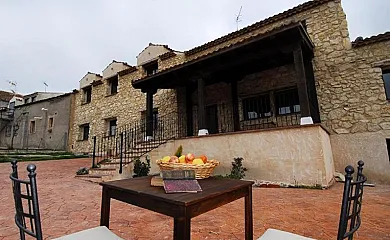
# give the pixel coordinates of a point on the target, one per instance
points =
(95, 178)
(109, 165)
(103, 171)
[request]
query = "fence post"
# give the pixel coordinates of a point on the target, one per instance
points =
(121, 154)
(94, 152)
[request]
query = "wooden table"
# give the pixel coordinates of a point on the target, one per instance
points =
(181, 206)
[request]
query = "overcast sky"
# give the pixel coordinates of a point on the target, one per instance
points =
(59, 41)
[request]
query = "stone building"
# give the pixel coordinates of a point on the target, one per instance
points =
(255, 90)
(41, 124)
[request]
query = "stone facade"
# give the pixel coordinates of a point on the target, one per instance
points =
(126, 107)
(348, 79)
(43, 124)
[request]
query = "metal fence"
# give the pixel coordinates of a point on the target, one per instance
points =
(131, 142)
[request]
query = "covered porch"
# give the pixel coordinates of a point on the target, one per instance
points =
(265, 81)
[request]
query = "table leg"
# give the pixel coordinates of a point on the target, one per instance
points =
(248, 215)
(105, 208)
(182, 228)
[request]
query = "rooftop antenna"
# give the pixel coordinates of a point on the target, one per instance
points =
(44, 83)
(238, 17)
(12, 85)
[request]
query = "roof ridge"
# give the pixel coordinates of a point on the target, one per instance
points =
(360, 41)
(297, 9)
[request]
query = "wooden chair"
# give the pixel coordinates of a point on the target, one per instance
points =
(350, 209)
(27, 217)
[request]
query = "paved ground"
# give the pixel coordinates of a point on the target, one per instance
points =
(69, 205)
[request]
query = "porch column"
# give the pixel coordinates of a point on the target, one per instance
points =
(302, 85)
(189, 113)
(149, 114)
(201, 107)
(236, 116)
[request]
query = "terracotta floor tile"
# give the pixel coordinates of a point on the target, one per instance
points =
(68, 205)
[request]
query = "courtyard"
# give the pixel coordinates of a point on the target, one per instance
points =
(68, 205)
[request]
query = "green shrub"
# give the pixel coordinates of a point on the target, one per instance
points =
(141, 168)
(237, 171)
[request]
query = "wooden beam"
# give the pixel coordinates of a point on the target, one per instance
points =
(234, 94)
(201, 104)
(149, 112)
(189, 113)
(302, 81)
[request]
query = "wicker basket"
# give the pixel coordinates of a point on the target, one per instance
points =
(201, 171)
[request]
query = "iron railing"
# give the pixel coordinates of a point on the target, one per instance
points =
(131, 142)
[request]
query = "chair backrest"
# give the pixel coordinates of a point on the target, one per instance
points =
(352, 203)
(27, 216)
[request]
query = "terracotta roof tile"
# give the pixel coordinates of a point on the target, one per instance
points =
(125, 63)
(95, 74)
(167, 55)
(7, 96)
(290, 24)
(300, 8)
(373, 39)
(96, 83)
(127, 71)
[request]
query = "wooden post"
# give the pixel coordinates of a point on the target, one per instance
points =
(189, 113)
(201, 105)
(149, 113)
(302, 85)
(236, 116)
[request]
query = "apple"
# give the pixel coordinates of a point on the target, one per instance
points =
(190, 157)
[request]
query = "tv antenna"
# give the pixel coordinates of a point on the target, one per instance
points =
(46, 85)
(238, 17)
(12, 85)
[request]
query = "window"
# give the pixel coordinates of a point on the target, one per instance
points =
(256, 107)
(151, 68)
(84, 131)
(50, 123)
(8, 130)
(87, 94)
(27, 100)
(386, 80)
(113, 85)
(32, 126)
(33, 99)
(287, 102)
(112, 127)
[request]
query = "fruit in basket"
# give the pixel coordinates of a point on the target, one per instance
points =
(198, 161)
(190, 157)
(174, 159)
(182, 159)
(204, 158)
(166, 159)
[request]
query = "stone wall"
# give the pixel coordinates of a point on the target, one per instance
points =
(298, 155)
(42, 136)
(126, 106)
